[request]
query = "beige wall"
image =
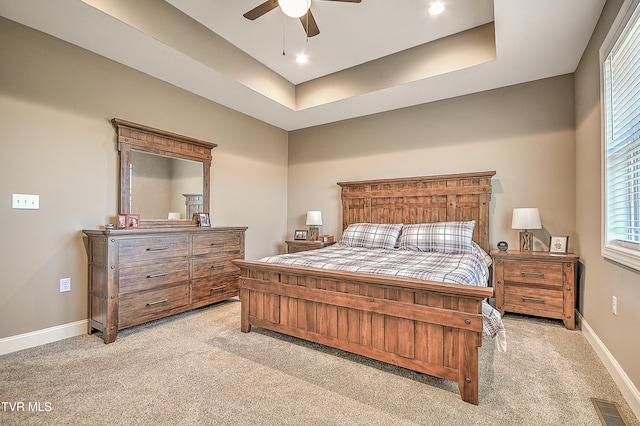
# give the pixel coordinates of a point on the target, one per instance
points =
(56, 102)
(525, 133)
(601, 279)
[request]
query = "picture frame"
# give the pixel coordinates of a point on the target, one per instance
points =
(301, 234)
(203, 220)
(122, 221)
(133, 221)
(558, 244)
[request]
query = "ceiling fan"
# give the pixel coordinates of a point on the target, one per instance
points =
(306, 17)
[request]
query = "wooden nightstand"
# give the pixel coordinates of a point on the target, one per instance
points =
(304, 245)
(536, 283)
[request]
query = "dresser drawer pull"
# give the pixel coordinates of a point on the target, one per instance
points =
(533, 274)
(217, 244)
(158, 302)
(532, 299)
(218, 266)
(157, 248)
(222, 287)
(158, 275)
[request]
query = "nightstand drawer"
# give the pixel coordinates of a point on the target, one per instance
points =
(533, 272)
(533, 300)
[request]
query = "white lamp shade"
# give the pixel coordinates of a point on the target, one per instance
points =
(294, 8)
(314, 218)
(526, 218)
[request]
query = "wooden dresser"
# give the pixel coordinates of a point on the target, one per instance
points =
(536, 283)
(141, 275)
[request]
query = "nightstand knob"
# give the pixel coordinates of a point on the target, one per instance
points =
(467, 321)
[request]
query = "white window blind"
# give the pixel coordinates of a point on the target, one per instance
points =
(621, 120)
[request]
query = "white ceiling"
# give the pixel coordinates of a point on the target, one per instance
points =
(534, 39)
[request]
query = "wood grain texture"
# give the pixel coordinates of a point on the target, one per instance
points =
(536, 283)
(134, 136)
(431, 327)
(137, 276)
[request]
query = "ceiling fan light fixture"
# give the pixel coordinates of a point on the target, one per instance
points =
(302, 58)
(436, 8)
(294, 8)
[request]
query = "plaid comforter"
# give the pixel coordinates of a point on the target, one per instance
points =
(470, 269)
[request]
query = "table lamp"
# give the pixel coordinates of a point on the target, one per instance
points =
(314, 221)
(526, 219)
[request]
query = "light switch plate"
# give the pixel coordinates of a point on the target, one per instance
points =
(25, 201)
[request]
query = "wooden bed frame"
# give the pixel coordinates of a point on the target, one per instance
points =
(430, 327)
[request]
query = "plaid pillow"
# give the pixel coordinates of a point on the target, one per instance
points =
(372, 235)
(442, 237)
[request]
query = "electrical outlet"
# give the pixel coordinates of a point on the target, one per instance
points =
(65, 284)
(614, 305)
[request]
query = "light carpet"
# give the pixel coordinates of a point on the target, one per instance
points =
(198, 368)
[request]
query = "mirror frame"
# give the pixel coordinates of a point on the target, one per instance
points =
(133, 136)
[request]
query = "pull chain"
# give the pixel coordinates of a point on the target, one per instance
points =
(283, 22)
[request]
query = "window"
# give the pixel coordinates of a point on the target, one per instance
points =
(620, 57)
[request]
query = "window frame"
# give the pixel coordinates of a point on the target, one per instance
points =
(625, 253)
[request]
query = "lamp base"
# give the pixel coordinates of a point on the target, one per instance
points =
(313, 233)
(526, 241)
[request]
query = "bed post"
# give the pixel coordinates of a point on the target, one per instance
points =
(468, 372)
(245, 325)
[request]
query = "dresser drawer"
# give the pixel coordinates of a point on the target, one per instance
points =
(535, 301)
(206, 267)
(212, 244)
(152, 248)
(211, 291)
(142, 306)
(149, 276)
(533, 272)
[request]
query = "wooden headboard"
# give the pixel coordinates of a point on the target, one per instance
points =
(455, 197)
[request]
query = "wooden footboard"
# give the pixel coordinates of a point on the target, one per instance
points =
(429, 327)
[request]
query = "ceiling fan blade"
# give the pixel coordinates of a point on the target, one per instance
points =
(260, 10)
(313, 29)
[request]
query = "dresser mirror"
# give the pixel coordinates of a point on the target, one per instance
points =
(163, 175)
(161, 185)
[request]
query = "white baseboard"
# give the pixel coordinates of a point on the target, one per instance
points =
(41, 337)
(626, 386)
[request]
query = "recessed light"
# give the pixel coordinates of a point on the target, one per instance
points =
(302, 58)
(436, 8)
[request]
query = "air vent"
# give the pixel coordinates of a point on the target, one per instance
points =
(609, 413)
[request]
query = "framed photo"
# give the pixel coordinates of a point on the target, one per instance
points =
(558, 244)
(133, 221)
(122, 221)
(301, 234)
(203, 220)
